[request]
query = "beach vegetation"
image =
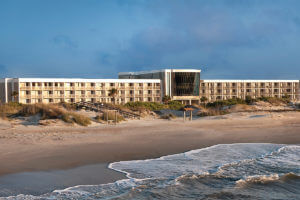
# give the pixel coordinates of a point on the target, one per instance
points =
(275, 100)
(228, 102)
(140, 106)
(212, 112)
(153, 106)
(175, 105)
(10, 108)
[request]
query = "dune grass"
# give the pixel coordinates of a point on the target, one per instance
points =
(46, 111)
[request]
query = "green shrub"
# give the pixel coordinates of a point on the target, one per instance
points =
(274, 100)
(175, 105)
(212, 112)
(228, 102)
(138, 106)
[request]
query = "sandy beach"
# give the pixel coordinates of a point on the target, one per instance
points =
(29, 148)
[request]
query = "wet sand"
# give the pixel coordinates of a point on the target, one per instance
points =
(57, 147)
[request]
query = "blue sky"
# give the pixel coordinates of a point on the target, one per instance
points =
(236, 39)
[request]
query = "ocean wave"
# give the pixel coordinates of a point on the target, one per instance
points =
(266, 179)
(217, 172)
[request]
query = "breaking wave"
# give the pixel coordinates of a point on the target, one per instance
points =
(227, 171)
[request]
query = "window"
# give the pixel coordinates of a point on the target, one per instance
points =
(27, 92)
(202, 84)
(27, 84)
(112, 84)
(50, 92)
(82, 84)
(149, 84)
(93, 84)
(39, 92)
(33, 84)
(131, 91)
(219, 84)
(56, 84)
(50, 100)
(92, 92)
(82, 92)
(248, 90)
(149, 99)
(130, 84)
(149, 91)
(72, 84)
(50, 84)
(233, 84)
(72, 92)
(61, 92)
(248, 84)
(140, 84)
(27, 100)
(262, 84)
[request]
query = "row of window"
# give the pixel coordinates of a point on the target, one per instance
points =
(49, 84)
(72, 100)
(234, 97)
(251, 90)
(247, 84)
(39, 92)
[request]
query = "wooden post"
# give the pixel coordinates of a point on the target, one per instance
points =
(107, 116)
(184, 115)
(115, 117)
(191, 115)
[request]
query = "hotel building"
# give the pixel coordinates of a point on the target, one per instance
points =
(182, 85)
(215, 90)
(45, 90)
(185, 85)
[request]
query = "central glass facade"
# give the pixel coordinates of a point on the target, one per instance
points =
(185, 83)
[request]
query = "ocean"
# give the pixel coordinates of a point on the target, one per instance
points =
(225, 171)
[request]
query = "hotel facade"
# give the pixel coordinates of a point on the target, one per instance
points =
(45, 90)
(182, 85)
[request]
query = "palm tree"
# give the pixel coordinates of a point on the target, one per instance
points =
(166, 99)
(14, 94)
(203, 100)
(113, 93)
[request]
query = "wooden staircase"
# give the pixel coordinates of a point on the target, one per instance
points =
(102, 108)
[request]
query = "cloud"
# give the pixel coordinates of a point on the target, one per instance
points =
(64, 41)
(211, 33)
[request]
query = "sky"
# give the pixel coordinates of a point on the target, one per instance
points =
(226, 39)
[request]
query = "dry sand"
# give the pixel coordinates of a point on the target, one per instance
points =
(35, 147)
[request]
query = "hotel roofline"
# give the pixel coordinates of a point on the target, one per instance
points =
(83, 80)
(244, 81)
(162, 70)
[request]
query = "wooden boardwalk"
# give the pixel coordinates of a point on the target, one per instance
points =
(102, 108)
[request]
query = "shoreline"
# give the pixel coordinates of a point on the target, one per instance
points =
(40, 149)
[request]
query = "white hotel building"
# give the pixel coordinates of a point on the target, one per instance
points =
(182, 85)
